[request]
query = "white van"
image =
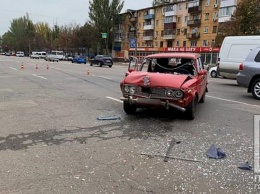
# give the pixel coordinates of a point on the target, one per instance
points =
(42, 54)
(233, 52)
(34, 55)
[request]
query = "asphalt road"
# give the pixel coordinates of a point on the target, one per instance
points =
(52, 142)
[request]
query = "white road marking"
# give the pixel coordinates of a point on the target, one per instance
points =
(104, 77)
(39, 76)
(233, 101)
(13, 68)
(114, 99)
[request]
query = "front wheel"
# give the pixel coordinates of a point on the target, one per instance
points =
(256, 89)
(110, 66)
(202, 100)
(100, 64)
(91, 64)
(213, 74)
(129, 109)
(190, 111)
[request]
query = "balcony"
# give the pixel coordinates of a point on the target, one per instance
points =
(169, 13)
(195, 22)
(169, 25)
(147, 38)
(149, 16)
(149, 27)
(169, 36)
(229, 3)
(196, 9)
(193, 35)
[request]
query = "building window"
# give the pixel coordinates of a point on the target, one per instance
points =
(207, 2)
(206, 30)
(185, 19)
(184, 43)
(187, 5)
(206, 16)
(205, 43)
(161, 44)
(169, 43)
(157, 22)
(180, 7)
(178, 31)
(179, 19)
(177, 43)
(226, 11)
(185, 31)
(155, 43)
(193, 43)
(214, 29)
(213, 43)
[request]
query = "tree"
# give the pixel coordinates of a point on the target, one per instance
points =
(103, 14)
(245, 21)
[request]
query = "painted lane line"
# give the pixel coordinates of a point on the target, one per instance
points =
(39, 76)
(114, 99)
(104, 77)
(13, 68)
(233, 101)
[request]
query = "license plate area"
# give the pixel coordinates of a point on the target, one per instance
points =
(146, 90)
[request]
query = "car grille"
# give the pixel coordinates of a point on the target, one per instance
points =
(151, 92)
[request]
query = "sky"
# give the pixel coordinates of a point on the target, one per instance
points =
(61, 12)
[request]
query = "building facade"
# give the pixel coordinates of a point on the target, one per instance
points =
(173, 26)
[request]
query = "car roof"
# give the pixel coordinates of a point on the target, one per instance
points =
(176, 55)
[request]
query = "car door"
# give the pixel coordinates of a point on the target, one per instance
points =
(202, 77)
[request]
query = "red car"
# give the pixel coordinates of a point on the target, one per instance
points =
(170, 80)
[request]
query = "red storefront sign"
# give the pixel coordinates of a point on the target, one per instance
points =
(180, 49)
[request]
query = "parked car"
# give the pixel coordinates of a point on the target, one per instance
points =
(51, 57)
(249, 73)
(34, 55)
(7, 54)
(79, 59)
(169, 80)
(102, 60)
(213, 72)
(20, 54)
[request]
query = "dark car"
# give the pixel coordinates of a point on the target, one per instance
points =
(79, 59)
(169, 80)
(249, 73)
(102, 60)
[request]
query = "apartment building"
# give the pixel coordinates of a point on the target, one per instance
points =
(173, 26)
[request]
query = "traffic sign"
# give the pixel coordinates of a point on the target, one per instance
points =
(104, 35)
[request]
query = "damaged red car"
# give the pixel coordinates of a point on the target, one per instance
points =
(170, 80)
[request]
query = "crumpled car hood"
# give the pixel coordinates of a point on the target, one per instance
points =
(156, 79)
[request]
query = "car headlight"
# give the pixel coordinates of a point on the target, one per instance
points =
(126, 89)
(132, 90)
(178, 94)
(169, 93)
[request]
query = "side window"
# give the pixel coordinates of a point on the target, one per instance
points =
(199, 64)
(257, 58)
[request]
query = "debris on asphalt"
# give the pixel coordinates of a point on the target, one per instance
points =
(171, 157)
(109, 118)
(245, 166)
(216, 153)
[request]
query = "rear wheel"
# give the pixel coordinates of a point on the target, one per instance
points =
(110, 66)
(190, 111)
(100, 64)
(256, 89)
(91, 64)
(129, 109)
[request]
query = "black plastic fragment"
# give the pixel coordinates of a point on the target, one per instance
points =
(245, 166)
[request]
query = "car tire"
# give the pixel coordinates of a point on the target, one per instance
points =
(202, 100)
(213, 74)
(100, 64)
(91, 64)
(255, 88)
(110, 66)
(129, 108)
(191, 108)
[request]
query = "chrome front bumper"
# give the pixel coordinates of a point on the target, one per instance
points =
(155, 102)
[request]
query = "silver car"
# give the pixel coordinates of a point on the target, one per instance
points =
(249, 73)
